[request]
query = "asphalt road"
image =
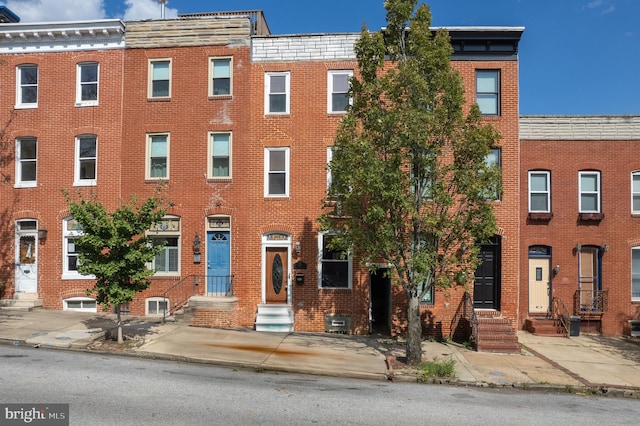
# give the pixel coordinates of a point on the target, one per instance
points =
(119, 390)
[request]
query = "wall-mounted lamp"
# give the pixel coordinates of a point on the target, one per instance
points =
(605, 248)
(556, 270)
(196, 249)
(578, 248)
(297, 247)
(42, 234)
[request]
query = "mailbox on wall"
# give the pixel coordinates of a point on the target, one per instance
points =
(299, 278)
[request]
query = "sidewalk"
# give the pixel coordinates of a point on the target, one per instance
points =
(591, 364)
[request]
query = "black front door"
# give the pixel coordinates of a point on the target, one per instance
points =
(486, 284)
(380, 303)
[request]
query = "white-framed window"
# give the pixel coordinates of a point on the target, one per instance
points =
(219, 155)
(167, 234)
(86, 160)
(27, 86)
(635, 274)
(335, 269)
(488, 91)
(26, 162)
(635, 192)
(71, 232)
(276, 172)
(220, 73)
(159, 78)
(277, 92)
(589, 192)
(539, 191)
(157, 166)
(337, 92)
(329, 158)
(494, 159)
(87, 84)
(427, 299)
(156, 306)
(80, 304)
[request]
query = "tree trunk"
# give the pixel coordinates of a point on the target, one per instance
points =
(414, 331)
(120, 338)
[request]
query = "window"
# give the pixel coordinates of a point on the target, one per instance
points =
(335, 266)
(80, 304)
(276, 96)
(160, 78)
(157, 156)
(329, 157)
(157, 306)
(635, 192)
(27, 87)
(26, 162)
(86, 156)
(338, 97)
(494, 159)
(635, 274)
(428, 297)
(488, 91)
(539, 192)
(589, 188)
(71, 232)
(87, 89)
(220, 155)
(220, 77)
(167, 234)
(276, 172)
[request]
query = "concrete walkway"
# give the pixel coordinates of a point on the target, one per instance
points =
(587, 364)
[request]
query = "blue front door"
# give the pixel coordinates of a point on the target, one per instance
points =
(218, 262)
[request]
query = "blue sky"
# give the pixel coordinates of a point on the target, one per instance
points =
(576, 56)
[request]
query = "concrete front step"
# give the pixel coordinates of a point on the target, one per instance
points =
(21, 302)
(274, 318)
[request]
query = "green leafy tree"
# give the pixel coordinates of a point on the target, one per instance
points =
(409, 172)
(115, 249)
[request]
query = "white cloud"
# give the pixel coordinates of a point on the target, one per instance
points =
(56, 10)
(138, 10)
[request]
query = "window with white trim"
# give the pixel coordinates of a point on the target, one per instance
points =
(220, 83)
(26, 162)
(589, 191)
(86, 160)
(329, 158)
(635, 274)
(338, 91)
(87, 84)
(219, 155)
(80, 304)
(334, 266)
(167, 234)
(157, 166)
(635, 192)
(539, 192)
(27, 86)
(71, 232)
(277, 92)
(159, 78)
(488, 91)
(276, 172)
(156, 306)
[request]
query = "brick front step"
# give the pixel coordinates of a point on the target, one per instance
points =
(499, 347)
(544, 327)
(495, 334)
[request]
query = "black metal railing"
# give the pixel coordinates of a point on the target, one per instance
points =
(590, 302)
(177, 296)
(467, 313)
(560, 314)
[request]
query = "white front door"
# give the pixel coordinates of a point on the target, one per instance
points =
(26, 271)
(539, 284)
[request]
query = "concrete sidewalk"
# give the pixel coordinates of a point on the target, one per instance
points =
(590, 364)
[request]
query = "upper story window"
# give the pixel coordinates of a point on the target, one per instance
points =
(589, 192)
(71, 232)
(334, 265)
(338, 98)
(157, 164)
(167, 234)
(220, 77)
(159, 78)
(276, 92)
(488, 91)
(87, 86)
(27, 87)
(494, 159)
(86, 160)
(220, 155)
(26, 162)
(635, 192)
(276, 172)
(539, 192)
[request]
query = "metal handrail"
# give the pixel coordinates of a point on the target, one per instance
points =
(179, 293)
(560, 313)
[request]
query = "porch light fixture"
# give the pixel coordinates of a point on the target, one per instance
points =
(605, 248)
(297, 247)
(42, 234)
(556, 269)
(578, 247)
(196, 244)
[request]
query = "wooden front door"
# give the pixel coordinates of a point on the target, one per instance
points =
(276, 275)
